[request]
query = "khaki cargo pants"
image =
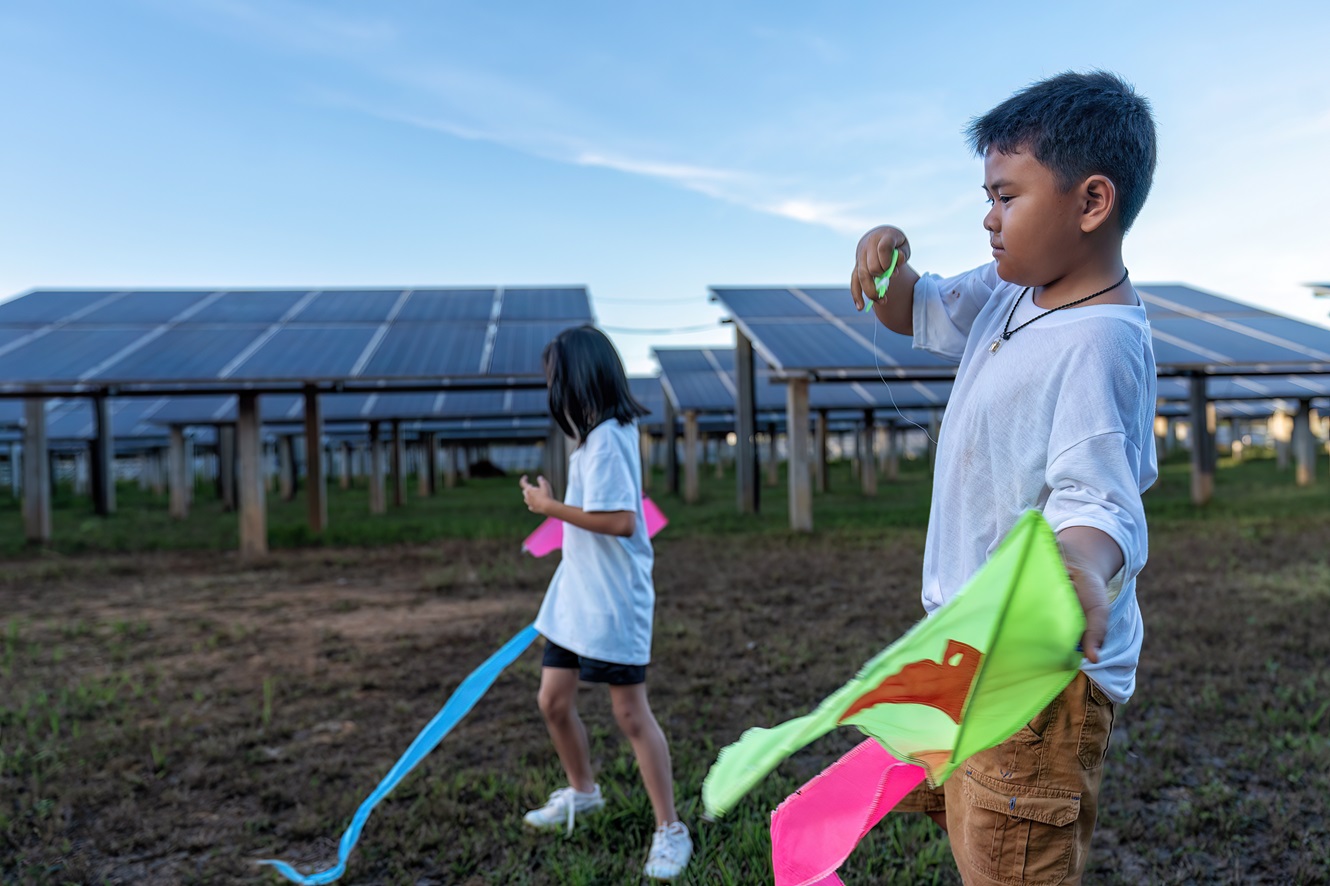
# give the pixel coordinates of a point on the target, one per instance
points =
(1023, 812)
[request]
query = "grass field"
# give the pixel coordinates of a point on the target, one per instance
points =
(169, 714)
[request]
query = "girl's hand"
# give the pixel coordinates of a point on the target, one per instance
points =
(538, 498)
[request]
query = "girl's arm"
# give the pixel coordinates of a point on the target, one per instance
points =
(540, 500)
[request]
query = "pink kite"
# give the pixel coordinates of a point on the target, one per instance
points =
(818, 826)
(549, 535)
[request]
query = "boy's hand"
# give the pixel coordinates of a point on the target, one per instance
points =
(537, 498)
(1092, 558)
(1093, 594)
(872, 257)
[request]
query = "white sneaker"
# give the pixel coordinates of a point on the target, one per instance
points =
(671, 848)
(564, 805)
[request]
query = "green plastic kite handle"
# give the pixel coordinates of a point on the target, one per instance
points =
(884, 279)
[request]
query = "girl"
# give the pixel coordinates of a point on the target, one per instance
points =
(597, 613)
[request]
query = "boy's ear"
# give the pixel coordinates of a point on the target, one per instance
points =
(1099, 198)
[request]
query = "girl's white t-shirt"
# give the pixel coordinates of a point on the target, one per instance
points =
(601, 600)
(1059, 418)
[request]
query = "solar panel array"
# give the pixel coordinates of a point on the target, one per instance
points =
(246, 338)
(1265, 387)
(647, 391)
(816, 330)
(361, 408)
(704, 380)
(134, 421)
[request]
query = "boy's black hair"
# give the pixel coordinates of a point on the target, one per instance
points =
(1078, 125)
(587, 382)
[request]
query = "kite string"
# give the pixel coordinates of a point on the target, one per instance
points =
(877, 364)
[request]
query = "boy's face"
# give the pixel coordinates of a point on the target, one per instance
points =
(1034, 226)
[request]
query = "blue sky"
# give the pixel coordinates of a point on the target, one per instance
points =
(645, 150)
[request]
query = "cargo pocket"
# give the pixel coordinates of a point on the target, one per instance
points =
(1096, 727)
(1019, 833)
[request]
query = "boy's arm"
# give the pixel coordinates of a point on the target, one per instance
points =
(540, 500)
(1092, 558)
(871, 260)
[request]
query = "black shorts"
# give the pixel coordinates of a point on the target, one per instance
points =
(593, 670)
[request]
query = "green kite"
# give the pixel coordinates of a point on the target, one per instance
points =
(960, 681)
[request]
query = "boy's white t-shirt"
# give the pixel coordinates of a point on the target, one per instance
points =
(1059, 418)
(601, 600)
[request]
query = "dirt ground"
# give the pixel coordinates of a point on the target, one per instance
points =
(172, 718)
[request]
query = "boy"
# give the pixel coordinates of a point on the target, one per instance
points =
(1052, 408)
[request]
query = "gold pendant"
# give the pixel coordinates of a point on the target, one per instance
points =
(997, 343)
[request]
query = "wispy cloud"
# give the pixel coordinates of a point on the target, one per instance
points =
(297, 26)
(478, 104)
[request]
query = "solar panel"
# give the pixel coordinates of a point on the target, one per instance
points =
(64, 353)
(518, 346)
(1315, 339)
(131, 419)
(419, 350)
(814, 346)
(451, 305)
(48, 306)
(350, 306)
(469, 404)
(675, 360)
(379, 407)
(11, 334)
(192, 352)
(646, 390)
(764, 303)
(1249, 388)
(550, 303)
(1175, 354)
(249, 306)
(307, 352)
(700, 392)
(200, 410)
(1169, 297)
(836, 300)
(816, 330)
(1235, 346)
(145, 307)
(278, 336)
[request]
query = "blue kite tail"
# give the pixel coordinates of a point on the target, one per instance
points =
(459, 703)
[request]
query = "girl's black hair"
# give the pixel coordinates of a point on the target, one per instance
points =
(587, 382)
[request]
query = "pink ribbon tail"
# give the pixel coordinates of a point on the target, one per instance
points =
(548, 536)
(818, 826)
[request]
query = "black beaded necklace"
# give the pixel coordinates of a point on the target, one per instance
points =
(1006, 334)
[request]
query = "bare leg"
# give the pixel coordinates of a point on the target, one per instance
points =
(633, 714)
(558, 703)
(940, 818)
